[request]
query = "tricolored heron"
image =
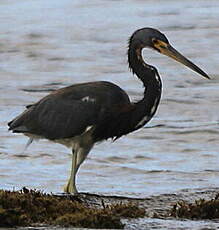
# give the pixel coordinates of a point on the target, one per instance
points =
(80, 115)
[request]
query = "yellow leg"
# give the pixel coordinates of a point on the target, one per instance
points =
(71, 187)
(79, 154)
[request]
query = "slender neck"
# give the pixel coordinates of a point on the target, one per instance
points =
(145, 108)
(133, 116)
(146, 73)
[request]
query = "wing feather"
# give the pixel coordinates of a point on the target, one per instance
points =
(55, 118)
(67, 112)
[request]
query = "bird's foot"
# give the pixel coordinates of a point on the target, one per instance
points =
(70, 188)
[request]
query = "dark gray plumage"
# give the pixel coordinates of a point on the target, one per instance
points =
(80, 115)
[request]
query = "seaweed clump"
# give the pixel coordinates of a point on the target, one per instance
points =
(30, 207)
(200, 209)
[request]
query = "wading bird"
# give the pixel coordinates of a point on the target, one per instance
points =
(80, 115)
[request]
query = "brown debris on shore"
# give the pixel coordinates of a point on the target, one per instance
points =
(30, 207)
(35, 208)
(200, 209)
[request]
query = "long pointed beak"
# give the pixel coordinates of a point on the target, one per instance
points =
(169, 51)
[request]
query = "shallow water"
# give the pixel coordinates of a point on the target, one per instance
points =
(48, 45)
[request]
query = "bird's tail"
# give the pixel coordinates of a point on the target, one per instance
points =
(17, 125)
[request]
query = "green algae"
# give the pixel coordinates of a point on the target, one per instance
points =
(200, 209)
(30, 207)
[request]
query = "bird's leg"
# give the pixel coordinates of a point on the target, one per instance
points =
(71, 187)
(79, 155)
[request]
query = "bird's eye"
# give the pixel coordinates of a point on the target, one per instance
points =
(155, 41)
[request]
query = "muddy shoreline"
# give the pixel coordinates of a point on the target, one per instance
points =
(131, 210)
(155, 206)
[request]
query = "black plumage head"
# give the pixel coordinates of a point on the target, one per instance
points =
(146, 38)
(152, 38)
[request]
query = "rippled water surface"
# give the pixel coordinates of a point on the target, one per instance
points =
(49, 44)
